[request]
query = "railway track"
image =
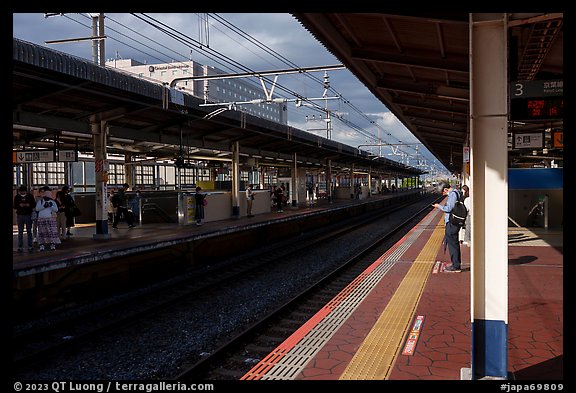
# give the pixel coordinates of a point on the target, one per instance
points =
(40, 345)
(233, 359)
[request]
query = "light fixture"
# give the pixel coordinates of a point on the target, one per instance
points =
(120, 140)
(75, 134)
(28, 128)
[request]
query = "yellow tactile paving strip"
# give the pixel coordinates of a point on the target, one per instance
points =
(376, 355)
(289, 359)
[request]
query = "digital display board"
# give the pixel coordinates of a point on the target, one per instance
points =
(536, 108)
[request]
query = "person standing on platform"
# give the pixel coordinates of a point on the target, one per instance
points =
(24, 204)
(200, 202)
(111, 207)
(47, 231)
(464, 234)
(284, 195)
(135, 205)
(249, 200)
(451, 230)
(37, 197)
(279, 198)
(69, 208)
(120, 202)
(310, 193)
(273, 196)
(61, 214)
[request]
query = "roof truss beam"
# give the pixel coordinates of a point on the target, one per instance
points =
(417, 59)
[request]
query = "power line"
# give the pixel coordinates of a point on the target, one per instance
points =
(230, 64)
(278, 56)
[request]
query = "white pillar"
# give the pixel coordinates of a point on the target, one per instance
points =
(294, 186)
(369, 182)
(236, 180)
(99, 130)
(352, 181)
(329, 181)
(489, 193)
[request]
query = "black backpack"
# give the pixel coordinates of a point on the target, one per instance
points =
(116, 201)
(459, 212)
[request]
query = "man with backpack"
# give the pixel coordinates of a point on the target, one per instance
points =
(454, 219)
(120, 202)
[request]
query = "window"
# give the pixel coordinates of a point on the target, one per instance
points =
(144, 176)
(79, 176)
(186, 177)
(244, 177)
(166, 179)
(48, 173)
(115, 174)
(17, 176)
(203, 174)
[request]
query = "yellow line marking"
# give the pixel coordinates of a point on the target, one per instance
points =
(376, 355)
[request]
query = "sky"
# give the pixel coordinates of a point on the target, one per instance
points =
(238, 42)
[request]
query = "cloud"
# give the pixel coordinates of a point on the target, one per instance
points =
(259, 42)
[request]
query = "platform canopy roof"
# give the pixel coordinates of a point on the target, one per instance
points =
(57, 98)
(417, 65)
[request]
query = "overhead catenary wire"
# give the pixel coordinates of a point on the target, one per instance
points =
(286, 61)
(227, 63)
(224, 61)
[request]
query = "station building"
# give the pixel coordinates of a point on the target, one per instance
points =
(212, 91)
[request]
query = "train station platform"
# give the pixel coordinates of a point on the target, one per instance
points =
(84, 264)
(361, 334)
(405, 318)
(84, 247)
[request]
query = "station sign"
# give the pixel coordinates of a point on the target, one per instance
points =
(466, 153)
(67, 155)
(558, 139)
(532, 89)
(29, 156)
(528, 140)
(24, 157)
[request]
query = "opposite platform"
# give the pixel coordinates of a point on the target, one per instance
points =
(85, 266)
